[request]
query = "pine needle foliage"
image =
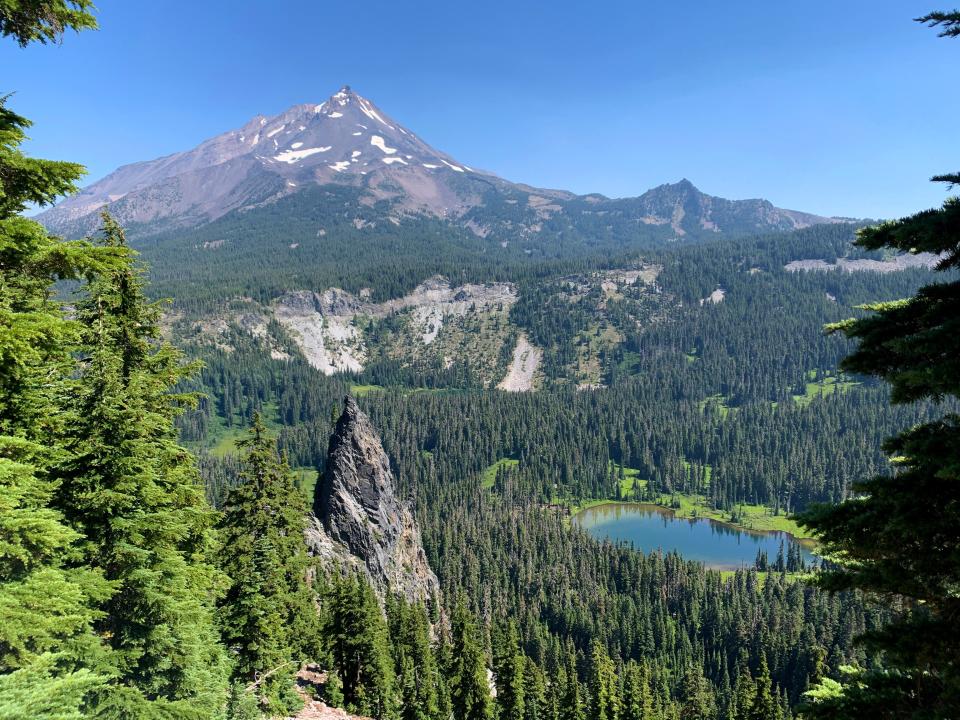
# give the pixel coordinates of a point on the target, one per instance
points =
(50, 656)
(268, 616)
(134, 495)
(44, 21)
(899, 536)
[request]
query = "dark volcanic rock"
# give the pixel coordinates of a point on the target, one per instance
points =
(359, 520)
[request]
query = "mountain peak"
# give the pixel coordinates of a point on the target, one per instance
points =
(682, 185)
(342, 97)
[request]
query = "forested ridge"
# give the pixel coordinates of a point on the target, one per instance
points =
(736, 403)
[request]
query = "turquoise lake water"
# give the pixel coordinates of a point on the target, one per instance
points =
(649, 527)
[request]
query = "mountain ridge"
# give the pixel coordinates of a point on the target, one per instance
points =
(348, 141)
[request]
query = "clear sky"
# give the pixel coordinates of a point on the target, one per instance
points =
(839, 108)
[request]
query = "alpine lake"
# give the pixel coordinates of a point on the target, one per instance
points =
(716, 544)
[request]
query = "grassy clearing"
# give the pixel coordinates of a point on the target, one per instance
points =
(362, 390)
(225, 442)
(827, 386)
(631, 480)
(632, 363)
(762, 576)
(718, 404)
(489, 476)
(306, 479)
(222, 440)
(746, 517)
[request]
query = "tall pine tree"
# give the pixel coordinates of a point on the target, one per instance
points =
(50, 658)
(508, 666)
(414, 663)
(899, 535)
(48, 652)
(470, 692)
(268, 616)
(136, 498)
(359, 645)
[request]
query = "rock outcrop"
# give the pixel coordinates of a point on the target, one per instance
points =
(360, 522)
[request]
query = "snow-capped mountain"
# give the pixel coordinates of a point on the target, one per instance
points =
(347, 140)
(344, 140)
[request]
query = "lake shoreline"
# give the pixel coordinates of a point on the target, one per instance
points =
(653, 525)
(692, 509)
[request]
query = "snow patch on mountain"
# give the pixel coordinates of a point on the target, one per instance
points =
(371, 113)
(378, 142)
(292, 156)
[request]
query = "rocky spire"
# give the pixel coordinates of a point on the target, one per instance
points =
(359, 520)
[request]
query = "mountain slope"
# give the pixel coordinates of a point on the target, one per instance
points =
(348, 141)
(344, 141)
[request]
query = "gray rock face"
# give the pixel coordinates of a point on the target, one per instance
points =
(360, 522)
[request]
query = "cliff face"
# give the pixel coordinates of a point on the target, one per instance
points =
(359, 520)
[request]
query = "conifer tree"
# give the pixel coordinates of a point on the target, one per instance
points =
(509, 675)
(134, 495)
(637, 698)
(359, 644)
(765, 705)
(470, 692)
(899, 535)
(444, 660)
(571, 706)
(268, 616)
(50, 659)
(744, 688)
(333, 689)
(44, 21)
(696, 700)
(604, 695)
(535, 705)
(414, 663)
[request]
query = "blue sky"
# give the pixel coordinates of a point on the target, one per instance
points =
(835, 108)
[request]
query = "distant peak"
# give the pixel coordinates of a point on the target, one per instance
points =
(683, 186)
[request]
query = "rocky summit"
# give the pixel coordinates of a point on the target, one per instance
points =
(345, 140)
(360, 522)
